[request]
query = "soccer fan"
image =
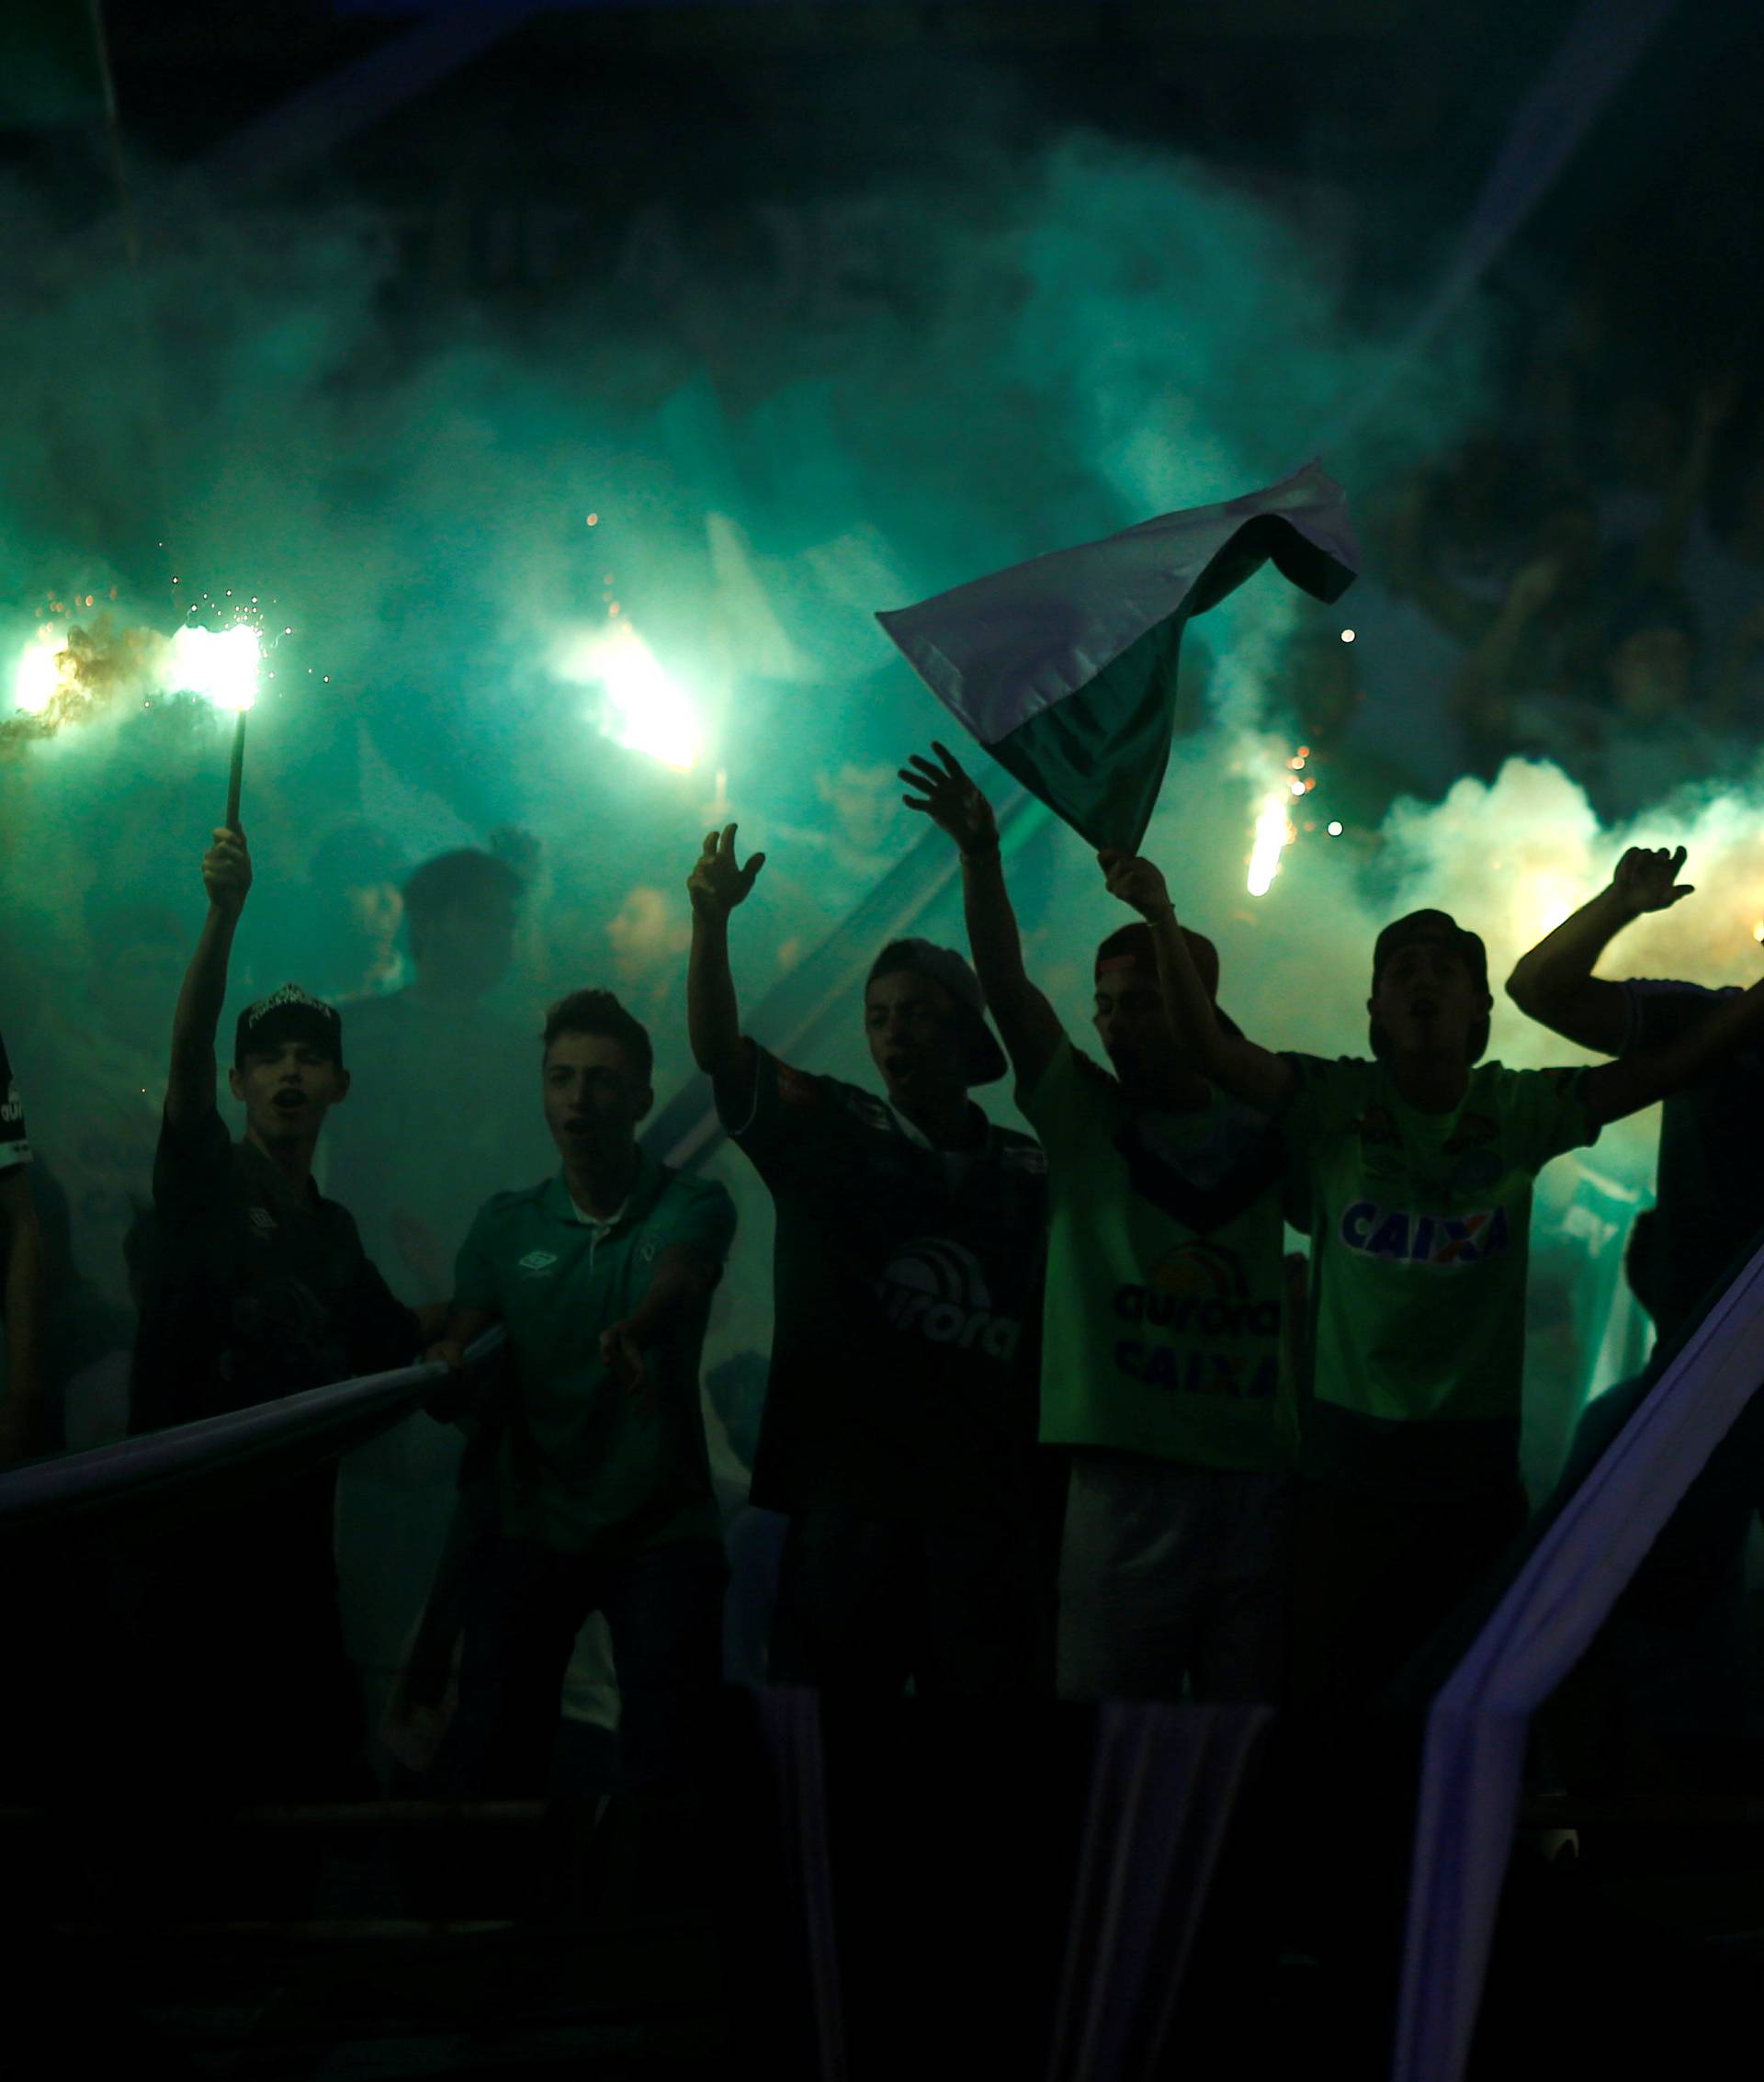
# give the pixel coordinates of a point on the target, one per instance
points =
(602, 1275)
(1162, 1372)
(1710, 1189)
(1679, 1621)
(254, 1286)
(22, 1281)
(1417, 1167)
(899, 1424)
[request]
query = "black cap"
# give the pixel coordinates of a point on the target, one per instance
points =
(289, 1014)
(986, 1062)
(1432, 925)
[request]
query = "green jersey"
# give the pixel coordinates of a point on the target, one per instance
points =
(580, 1464)
(1420, 1228)
(1161, 1324)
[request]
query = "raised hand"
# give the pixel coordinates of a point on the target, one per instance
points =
(226, 872)
(949, 798)
(1136, 883)
(717, 884)
(1647, 879)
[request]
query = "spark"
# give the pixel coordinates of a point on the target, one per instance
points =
(221, 665)
(1347, 636)
(1333, 828)
(644, 709)
(44, 668)
(1273, 835)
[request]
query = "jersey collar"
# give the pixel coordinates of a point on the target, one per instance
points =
(646, 1189)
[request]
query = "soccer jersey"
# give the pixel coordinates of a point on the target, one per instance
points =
(907, 1285)
(253, 1288)
(1420, 1228)
(1710, 1182)
(15, 1139)
(581, 1465)
(1161, 1329)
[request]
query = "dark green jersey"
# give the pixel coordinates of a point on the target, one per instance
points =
(580, 1463)
(252, 1288)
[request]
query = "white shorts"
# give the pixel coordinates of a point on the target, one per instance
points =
(1172, 1580)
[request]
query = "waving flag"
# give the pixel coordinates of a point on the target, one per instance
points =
(1065, 667)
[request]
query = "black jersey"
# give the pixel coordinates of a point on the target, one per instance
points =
(907, 1280)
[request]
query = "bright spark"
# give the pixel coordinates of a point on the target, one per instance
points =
(1273, 833)
(1347, 636)
(44, 667)
(645, 710)
(221, 665)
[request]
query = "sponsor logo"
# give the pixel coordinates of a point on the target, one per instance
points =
(937, 1290)
(1199, 1290)
(13, 1112)
(262, 1220)
(1242, 1374)
(1406, 1239)
(536, 1261)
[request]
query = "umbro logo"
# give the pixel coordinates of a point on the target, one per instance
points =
(539, 1261)
(262, 1219)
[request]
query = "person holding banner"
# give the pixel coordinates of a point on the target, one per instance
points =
(1162, 1377)
(254, 1285)
(898, 1434)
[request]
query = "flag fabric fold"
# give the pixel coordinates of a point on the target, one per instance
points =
(1065, 667)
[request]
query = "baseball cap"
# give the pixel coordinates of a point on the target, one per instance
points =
(289, 1014)
(1132, 947)
(1432, 925)
(986, 1062)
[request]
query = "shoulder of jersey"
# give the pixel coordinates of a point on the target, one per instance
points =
(861, 1106)
(691, 1187)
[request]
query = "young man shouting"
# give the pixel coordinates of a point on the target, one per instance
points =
(899, 1425)
(1162, 1372)
(254, 1287)
(1417, 1165)
(603, 1275)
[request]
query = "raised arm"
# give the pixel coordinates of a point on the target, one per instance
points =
(717, 885)
(1554, 984)
(226, 875)
(1255, 1075)
(21, 1245)
(1615, 1090)
(1028, 1024)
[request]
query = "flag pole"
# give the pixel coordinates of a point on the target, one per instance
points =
(236, 772)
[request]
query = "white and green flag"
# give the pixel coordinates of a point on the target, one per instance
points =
(1065, 667)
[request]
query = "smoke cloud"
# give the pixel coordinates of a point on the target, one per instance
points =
(449, 510)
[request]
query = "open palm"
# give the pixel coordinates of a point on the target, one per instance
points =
(948, 796)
